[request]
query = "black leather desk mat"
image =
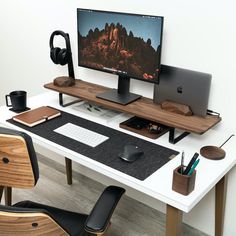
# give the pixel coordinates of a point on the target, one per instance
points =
(107, 152)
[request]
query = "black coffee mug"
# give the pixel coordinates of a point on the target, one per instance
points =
(18, 100)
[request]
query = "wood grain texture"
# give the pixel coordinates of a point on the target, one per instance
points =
(20, 224)
(15, 166)
(176, 108)
(183, 184)
(145, 131)
(64, 81)
(174, 221)
(220, 196)
(143, 107)
(131, 217)
(68, 163)
(36, 116)
(212, 152)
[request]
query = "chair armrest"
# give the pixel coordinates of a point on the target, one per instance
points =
(100, 215)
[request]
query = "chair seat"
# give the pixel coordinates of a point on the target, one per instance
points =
(71, 222)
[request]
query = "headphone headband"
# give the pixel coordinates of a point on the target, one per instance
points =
(64, 35)
(62, 56)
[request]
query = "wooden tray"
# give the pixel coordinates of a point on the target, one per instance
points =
(145, 130)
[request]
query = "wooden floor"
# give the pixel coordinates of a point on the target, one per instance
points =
(131, 217)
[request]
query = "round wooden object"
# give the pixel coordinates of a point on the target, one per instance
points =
(212, 152)
(64, 81)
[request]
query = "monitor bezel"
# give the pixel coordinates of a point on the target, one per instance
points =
(155, 81)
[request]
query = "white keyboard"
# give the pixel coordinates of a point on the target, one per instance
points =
(82, 135)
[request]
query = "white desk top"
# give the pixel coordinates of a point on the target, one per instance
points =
(159, 184)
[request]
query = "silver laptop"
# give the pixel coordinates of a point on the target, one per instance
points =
(184, 86)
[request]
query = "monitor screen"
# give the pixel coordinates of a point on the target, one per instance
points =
(128, 45)
(124, 44)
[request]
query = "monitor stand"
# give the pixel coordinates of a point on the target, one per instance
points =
(121, 95)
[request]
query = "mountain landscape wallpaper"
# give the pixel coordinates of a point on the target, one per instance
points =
(112, 46)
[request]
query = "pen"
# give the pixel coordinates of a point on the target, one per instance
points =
(97, 109)
(182, 163)
(193, 167)
(194, 158)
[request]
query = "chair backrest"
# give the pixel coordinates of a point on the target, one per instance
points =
(18, 161)
(16, 221)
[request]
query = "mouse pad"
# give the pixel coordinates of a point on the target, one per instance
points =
(155, 156)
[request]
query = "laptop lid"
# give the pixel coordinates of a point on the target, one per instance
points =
(184, 86)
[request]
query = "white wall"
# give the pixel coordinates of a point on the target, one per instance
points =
(198, 35)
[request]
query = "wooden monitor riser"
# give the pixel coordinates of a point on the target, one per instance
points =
(143, 107)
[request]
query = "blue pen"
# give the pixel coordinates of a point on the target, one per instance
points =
(190, 164)
(193, 167)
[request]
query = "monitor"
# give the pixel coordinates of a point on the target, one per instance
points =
(128, 45)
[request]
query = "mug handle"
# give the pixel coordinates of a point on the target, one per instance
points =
(8, 105)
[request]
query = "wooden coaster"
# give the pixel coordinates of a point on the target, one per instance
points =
(212, 152)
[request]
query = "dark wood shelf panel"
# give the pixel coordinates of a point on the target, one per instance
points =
(143, 107)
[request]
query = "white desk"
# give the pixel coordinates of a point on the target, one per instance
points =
(158, 185)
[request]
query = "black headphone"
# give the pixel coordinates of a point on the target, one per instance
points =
(58, 55)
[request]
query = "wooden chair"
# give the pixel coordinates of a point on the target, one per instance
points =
(18, 162)
(19, 168)
(33, 219)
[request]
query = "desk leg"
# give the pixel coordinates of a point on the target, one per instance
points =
(173, 221)
(220, 196)
(68, 170)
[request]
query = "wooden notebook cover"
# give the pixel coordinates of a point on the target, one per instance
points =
(37, 116)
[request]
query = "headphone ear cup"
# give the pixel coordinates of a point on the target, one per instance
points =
(54, 54)
(63, 57)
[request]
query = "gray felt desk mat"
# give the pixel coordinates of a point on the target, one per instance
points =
(107, 152)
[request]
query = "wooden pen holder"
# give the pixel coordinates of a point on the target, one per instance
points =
(183, 184)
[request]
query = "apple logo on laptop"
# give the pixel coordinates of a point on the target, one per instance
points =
(179, 89)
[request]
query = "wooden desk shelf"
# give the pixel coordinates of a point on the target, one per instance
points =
(143, 107)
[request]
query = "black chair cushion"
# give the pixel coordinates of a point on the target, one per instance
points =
(30, 147)
(71, 222)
